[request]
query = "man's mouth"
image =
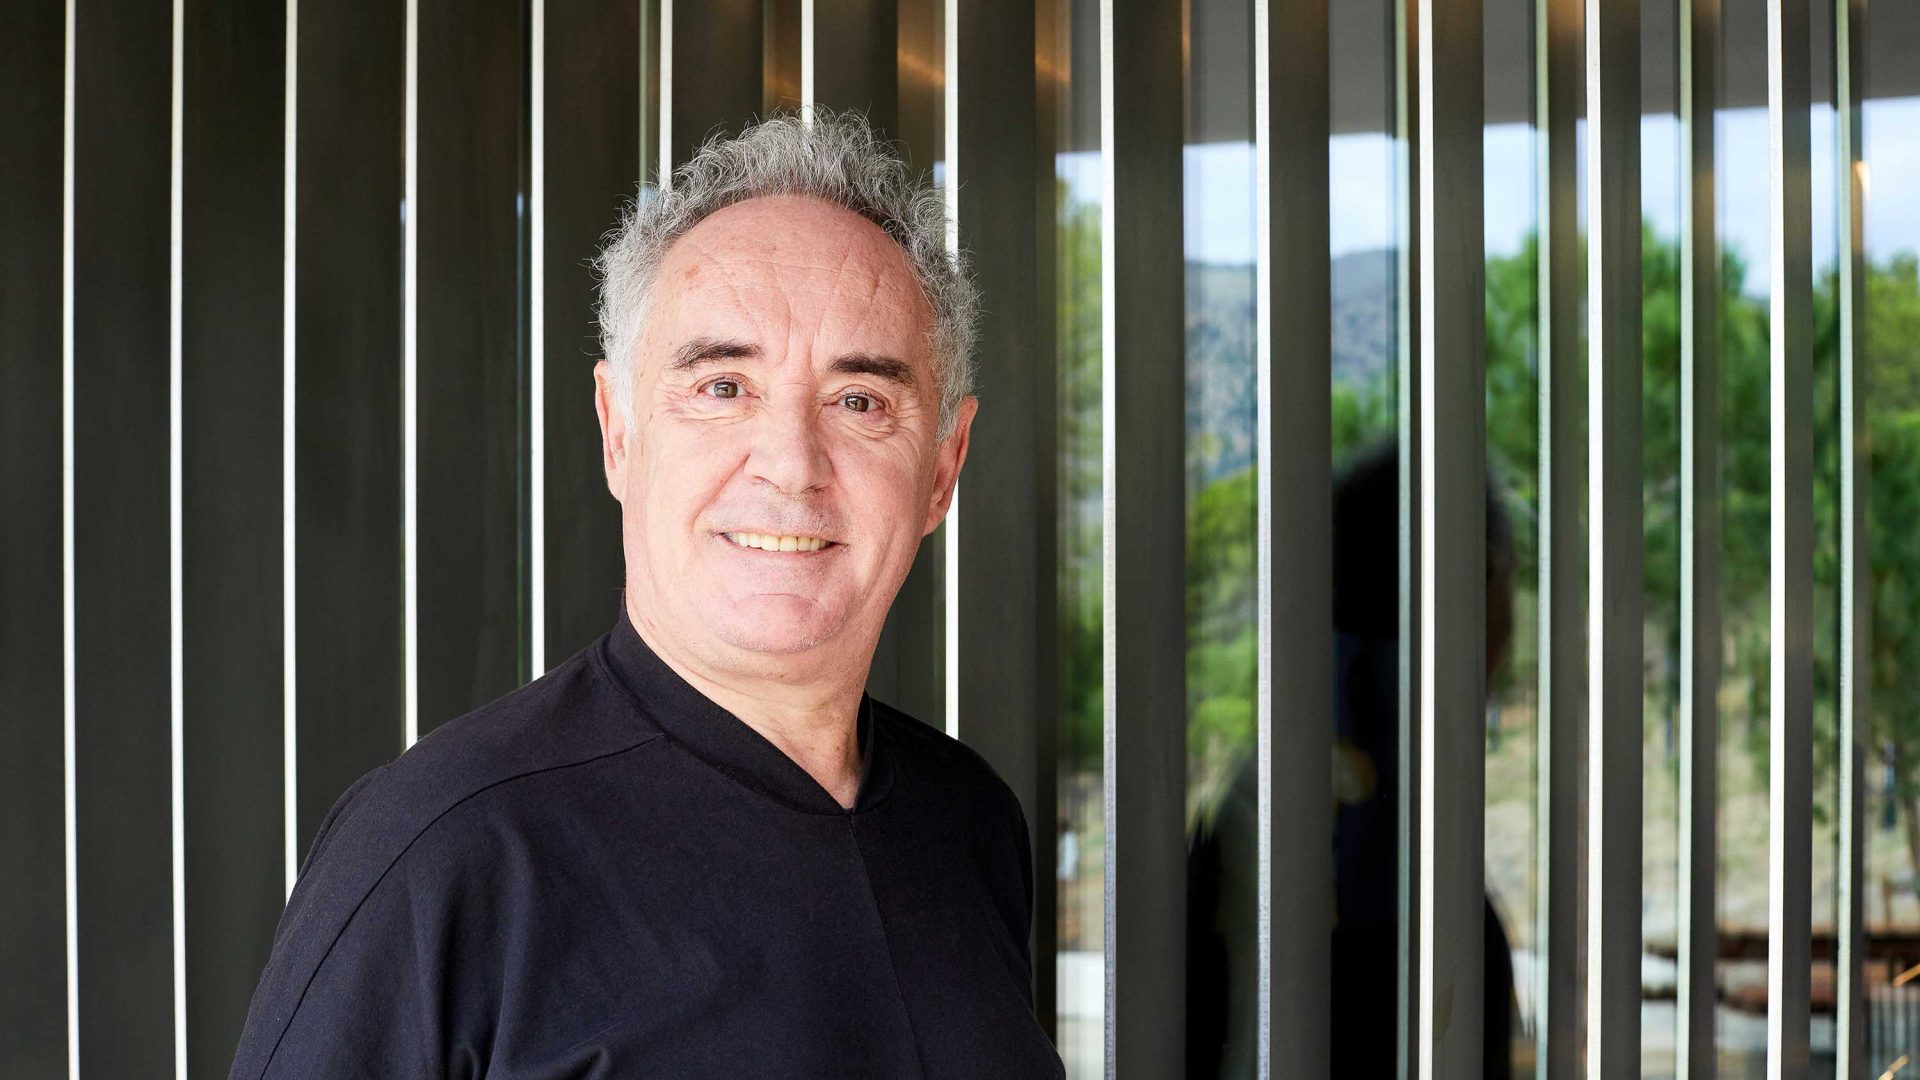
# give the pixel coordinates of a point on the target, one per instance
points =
(772, 542)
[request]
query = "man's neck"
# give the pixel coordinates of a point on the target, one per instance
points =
(814, 722)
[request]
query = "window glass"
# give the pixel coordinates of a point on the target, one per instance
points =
(1069, 89)
(1660, 270)
(1223, 791)
(1512, 222)
(1891, 346)
(1365, 191)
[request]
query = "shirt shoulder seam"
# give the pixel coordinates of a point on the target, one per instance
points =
(374, 885)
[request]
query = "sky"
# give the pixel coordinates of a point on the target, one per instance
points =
(1219, 190)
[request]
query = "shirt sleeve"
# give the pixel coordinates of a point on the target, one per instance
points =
(367, 1012)
(356, 985)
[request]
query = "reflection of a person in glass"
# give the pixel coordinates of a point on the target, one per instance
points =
(1222, 980)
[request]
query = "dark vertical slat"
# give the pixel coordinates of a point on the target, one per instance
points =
(715, 82)
(1700, 640)
(1406, 60)
(1004, 710)
(471, 355)
(1560, 932)
(1450, 677)
(1221, 51)
(595, 136)
(1044, 820)
(1293, 338)
(1856, 554)
(651, 90)
(1143, 442)
(908, 669)
(782, 67)
(33, 932)
(850, 60)
(1614, 599)
(123, 794)
(233, 679)
(854, 63)
(347, 424)
(1790, 572)
(920, 83)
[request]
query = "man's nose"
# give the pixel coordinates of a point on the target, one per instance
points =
(789, 447)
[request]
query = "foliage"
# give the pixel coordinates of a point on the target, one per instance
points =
(1220, 513)
(1893, 500)
(1081, 596)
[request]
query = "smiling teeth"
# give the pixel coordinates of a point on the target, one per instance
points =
(767, 542)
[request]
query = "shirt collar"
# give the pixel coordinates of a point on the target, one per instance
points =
(726, 742)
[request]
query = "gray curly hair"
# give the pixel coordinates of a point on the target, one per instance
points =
(832, 156)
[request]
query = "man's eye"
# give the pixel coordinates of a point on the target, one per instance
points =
(724, 388)
(858, 402)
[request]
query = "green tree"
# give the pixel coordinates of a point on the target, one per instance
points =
(1893, 500)
(1077, 289)
(1220, 514)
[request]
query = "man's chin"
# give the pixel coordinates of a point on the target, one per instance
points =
(774, 636)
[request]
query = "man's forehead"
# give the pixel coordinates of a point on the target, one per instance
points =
(780, 258)
(790, 237)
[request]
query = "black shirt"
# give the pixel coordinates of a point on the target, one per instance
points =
(604, 874)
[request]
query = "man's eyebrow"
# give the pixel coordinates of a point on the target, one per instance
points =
(890, 368)
(702, 350)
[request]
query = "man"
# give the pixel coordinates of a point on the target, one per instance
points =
(697, 848)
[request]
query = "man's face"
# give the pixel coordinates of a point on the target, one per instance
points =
(782, 466)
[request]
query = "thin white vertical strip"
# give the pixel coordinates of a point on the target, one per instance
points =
(289, 655)
(537, 353)
(950, 614)
(176, 612)
(1598, 1053)
(409, 386)
(66, 563)
(664, 166)
(950, 105)
(1790, 562)
(1263, 353)
(1427, 711)
(809, 96)
(1109, 534)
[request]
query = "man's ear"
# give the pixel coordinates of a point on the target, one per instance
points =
(613, 429)
(947, 460)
